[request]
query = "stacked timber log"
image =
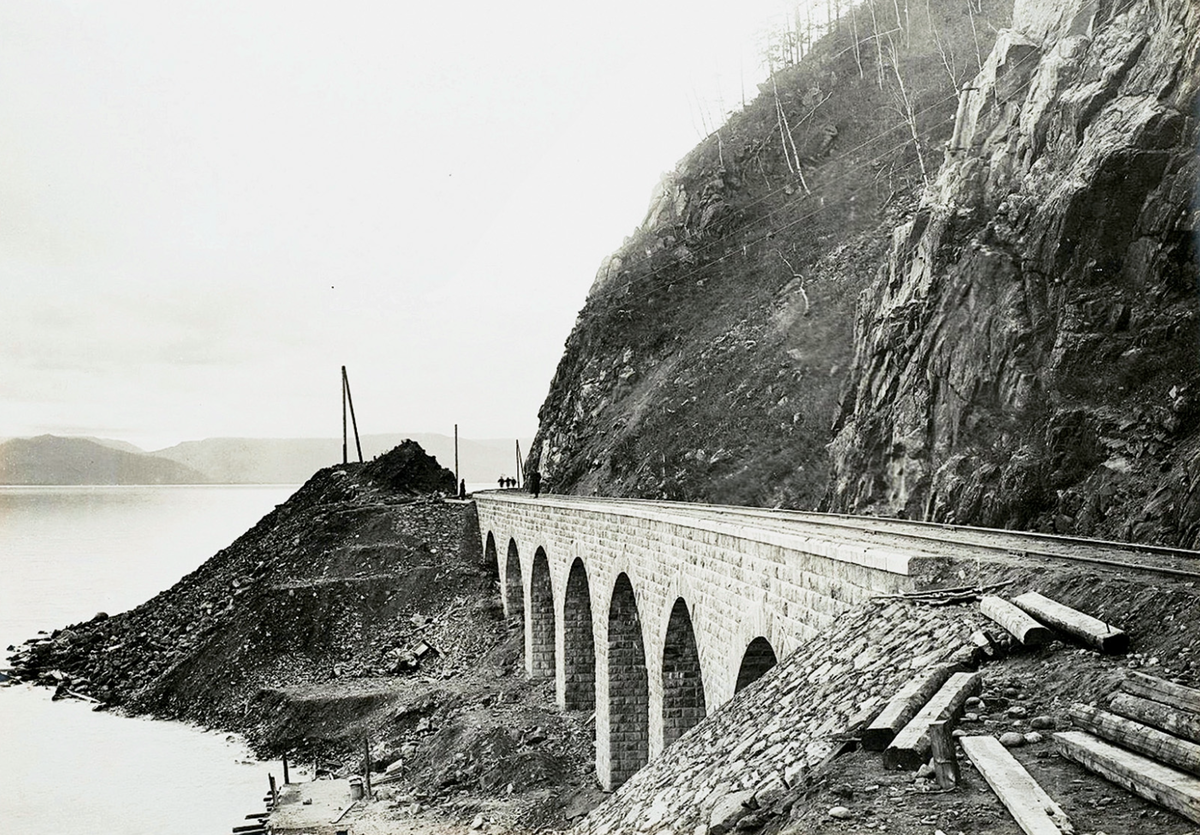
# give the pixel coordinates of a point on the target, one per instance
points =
(1148, 741)
(912, 747)
(1031, 619)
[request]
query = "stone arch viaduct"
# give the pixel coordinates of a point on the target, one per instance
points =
(654, 613)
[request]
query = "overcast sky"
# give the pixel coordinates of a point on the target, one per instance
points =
(206, 208)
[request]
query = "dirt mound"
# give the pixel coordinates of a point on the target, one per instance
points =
(409, 469)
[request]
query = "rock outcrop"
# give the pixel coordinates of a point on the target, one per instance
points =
(1030, 354)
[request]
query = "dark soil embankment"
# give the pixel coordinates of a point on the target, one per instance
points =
(360, 608)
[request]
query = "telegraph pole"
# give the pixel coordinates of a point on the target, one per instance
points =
(518, 443)
(348, 399)
(456, 476)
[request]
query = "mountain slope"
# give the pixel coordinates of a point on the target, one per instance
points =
(48, 459)
(292, 460)
(1011, 340)
(707, 361)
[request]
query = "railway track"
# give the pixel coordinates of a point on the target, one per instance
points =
(930, 538)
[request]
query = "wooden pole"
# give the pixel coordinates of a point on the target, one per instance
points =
(353, 421)
(910, 749)
(456, 476)
(345, 438)
(518, 443)
(367, 767)
(1161, 690)
(274, 790)
(1020, 625)
(903, 706)
(1154, 781)
(1180, 723)
(945, 763)
(286, 778)
(1086, 628)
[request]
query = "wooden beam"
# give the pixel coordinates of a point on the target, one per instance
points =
(1179, 723)
(1161, 690)
(1033, 810)
(1088, 629)
(1136, 737)
(911, 747)
(904, 706)
(1154, 781)
(1018, 624)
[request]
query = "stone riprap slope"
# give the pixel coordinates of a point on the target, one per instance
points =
(771, 739)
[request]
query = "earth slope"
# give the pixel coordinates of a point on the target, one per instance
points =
(360, 608)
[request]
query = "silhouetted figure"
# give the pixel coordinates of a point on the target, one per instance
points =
(462, 489)
(502, 482)
(535, 483)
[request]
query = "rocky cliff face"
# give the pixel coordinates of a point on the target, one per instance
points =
(1029, 355)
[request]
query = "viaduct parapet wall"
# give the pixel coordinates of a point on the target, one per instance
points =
(654, 615)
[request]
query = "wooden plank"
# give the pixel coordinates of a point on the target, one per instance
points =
(1033, 810)
(1179, 723)
(1161, 690)
(1145, 740)
(903, 706)
(1154, 781)
(911, 747)
(1018, 624)
(1088, 629)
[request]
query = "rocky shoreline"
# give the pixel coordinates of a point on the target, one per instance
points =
(358, 609)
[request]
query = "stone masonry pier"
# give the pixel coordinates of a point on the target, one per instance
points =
(654, 614)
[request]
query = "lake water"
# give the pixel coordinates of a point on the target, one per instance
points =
(65, 554)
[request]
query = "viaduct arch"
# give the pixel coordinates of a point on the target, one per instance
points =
(654, 614)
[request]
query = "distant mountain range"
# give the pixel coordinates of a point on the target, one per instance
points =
(50, 459)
